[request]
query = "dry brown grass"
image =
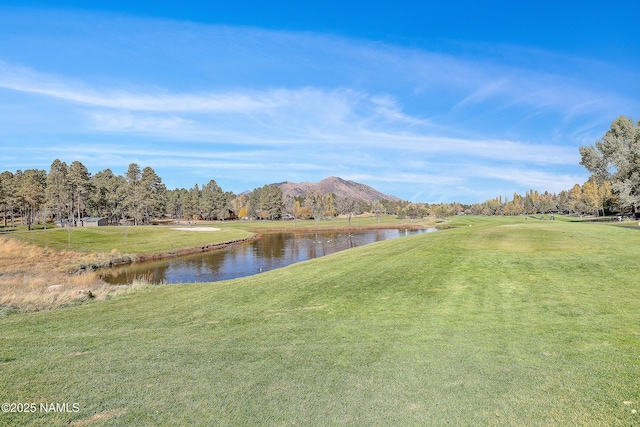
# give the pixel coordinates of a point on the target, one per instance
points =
(34, 278)
(95, 418)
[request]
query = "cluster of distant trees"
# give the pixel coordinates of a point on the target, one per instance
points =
(68, 193)
(613, 187)
(593, 197)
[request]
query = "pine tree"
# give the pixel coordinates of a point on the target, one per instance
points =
(133, 197)
(58, 188)
(80, 187)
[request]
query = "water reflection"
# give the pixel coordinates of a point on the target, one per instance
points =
(273, 250)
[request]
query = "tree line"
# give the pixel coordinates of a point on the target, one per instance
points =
(68, 193)
(591, 198)
(613, 187)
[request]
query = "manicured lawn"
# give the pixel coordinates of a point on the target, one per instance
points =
(140, 239)
(158, 239)
(340, 222)
(500, 321)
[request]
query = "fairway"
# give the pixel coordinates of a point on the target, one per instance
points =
(497, 321)
(130, 240)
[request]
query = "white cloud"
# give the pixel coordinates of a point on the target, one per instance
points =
(127, 122)
(279, 103)
(497, 150)
(530, 178)
(485, 91)
(23, 79)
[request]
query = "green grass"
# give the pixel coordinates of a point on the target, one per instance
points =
(499, 321)
(366, 221)
(159, 239)
(141, 239)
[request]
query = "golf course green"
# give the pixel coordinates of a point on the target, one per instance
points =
(495, 321)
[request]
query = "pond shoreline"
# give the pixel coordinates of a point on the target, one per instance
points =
(264, 252)
(258, 232)
(192, 250)
(127, 259)
(343, 228)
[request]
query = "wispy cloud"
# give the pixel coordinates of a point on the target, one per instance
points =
(275, 105)
(335, 117)
(533, 178)
(23, 79)
(486, 91)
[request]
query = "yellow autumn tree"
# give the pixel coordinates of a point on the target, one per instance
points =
(590, 196)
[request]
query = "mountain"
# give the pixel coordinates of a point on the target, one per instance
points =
(338, 186)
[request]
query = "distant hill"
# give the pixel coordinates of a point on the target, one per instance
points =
(338, 186)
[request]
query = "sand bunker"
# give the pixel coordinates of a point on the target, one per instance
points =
(196, 228)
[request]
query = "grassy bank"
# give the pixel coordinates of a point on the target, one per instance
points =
(49, 268)
(42, 269)
(500, 321)
(163, 239)
(341, 222)
(128, 240)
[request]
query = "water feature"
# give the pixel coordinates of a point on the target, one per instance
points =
(273, 250)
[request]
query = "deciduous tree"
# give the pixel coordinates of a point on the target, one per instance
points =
(347, 206)
(315, 202)
(378, 210)
(289, 204)
(576, 203)
(616, 158)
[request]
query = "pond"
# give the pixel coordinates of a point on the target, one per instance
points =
(273, 250)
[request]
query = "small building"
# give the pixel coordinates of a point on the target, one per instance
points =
(93, 222)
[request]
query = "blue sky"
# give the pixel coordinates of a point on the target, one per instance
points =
(451, 101)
